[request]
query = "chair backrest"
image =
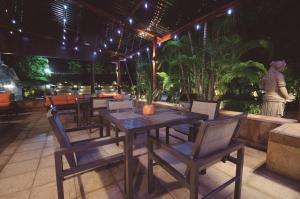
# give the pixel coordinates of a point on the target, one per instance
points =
(60, 134)
(210, 108)
(120, 104)
(215, 135)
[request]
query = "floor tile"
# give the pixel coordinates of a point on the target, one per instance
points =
(19, 168)
(27, 155)
(44, 176)
(17, 195)
(16, 183)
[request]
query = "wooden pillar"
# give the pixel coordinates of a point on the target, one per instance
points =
(93, 78)
(119, 78)
(299, 113)
(154, 64)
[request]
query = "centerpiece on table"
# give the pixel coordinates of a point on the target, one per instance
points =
(149, 108)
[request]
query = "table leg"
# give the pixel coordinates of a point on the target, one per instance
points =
(129, 165)
(101, 128)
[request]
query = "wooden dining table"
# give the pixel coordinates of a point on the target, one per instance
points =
(133, 121)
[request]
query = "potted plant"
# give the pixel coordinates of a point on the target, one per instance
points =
(149, 108)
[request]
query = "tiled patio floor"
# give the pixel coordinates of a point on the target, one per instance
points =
(28, 172)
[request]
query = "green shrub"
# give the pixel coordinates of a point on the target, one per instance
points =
(252, 107)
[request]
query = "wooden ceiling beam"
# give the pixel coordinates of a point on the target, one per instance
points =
(113, 18)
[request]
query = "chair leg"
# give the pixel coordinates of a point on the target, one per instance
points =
(117, 135)
(59, 177)
(167, 135)
(150, 167)
(194, 182)
(157, 133)
(239, 174)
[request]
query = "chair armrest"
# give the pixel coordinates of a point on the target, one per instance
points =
(177, 154)
(83, 128)
(217, 156)
(85, 146)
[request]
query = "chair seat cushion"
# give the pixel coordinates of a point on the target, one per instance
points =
(185, 148)
(183, 128)
(98, 153)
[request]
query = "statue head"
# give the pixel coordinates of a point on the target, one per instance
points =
(278, 65)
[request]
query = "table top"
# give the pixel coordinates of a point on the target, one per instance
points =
(133, 120)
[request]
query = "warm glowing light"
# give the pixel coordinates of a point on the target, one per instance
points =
(11, 32)
(64, 37)
(20, 30)
(100, 50)
(6, 10)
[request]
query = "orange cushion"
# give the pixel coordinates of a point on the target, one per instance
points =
(5, 97)
(4, 104)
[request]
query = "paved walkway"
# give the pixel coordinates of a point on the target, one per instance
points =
(28, 172)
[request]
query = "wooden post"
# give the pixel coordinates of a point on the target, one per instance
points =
(119, 78)
(299, 113)
(154, 65)
(93, 78)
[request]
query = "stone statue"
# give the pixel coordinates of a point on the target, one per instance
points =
(276, 94)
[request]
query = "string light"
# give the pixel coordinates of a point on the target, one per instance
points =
(197, 26)
(159, 44)
(13, 21)
(11, 32)
(175, 37)
(65, 20)
(229, 11)
(76, 48)
(64, 37)
(65, 7)
(100, 50)
(147, 49)
(130, 20)
(119, 32)
(130, 57)
(63, 43)
(95, 53)
(105, 46)
(6, 10)
(138, 53)
(20, 30)
(146, 5)
(111, 40)
(65, 31)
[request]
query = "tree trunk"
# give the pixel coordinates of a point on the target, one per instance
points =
(195, 71)
(185, 88)
(204, 57)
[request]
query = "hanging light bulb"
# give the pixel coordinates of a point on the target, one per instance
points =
(64, 37)
(130, 20)
(229, 11)
(63, 43)
(138, 53)
(65, 31)
(65, 20)
(105, 46)
(11, 32)
(6, 10)
(119, 32)
(146, 5)
(13, 21)
(197, 27)
(76, 48)
(65, 7)
(20, 30)
(100, 50)
(111, 40)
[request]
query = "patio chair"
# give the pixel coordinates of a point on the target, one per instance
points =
(185, 161)
(119, 104)
(83, 155)
(211, 108)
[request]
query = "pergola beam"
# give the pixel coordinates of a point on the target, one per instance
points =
(113, 18)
